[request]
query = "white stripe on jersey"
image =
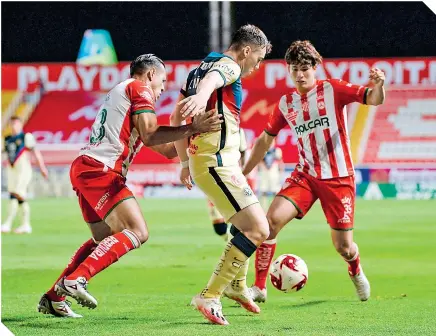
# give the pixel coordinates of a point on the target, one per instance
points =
(296, 101)
(329, 100)
(324, 160)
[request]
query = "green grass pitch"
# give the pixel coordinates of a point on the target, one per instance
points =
(148, 291)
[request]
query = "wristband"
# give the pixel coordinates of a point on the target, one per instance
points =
(185, 164)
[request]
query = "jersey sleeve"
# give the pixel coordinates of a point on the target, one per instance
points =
(228, 69)
(349, 93)
(29, 141)
(141, 97)
(243, 142)
(276, 119)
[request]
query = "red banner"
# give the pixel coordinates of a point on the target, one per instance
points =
(273, 74)
(75, 93)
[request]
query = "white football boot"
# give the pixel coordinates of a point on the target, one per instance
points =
(77, 290)
(6, 228)
(23, 229)
(258, 295)
(363, 289)
(210, 308)
(244, 298)
(58, 309)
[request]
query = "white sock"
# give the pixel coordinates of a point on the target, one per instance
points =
(13, 208)
(25, 208)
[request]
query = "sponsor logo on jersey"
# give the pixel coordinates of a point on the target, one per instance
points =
(319, 122)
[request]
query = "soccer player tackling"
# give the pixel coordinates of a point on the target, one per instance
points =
(19, 147)
(212, 160)
(125, 123)
(315, 110)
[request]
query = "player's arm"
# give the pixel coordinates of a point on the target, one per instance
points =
(261, 146)
(181, 146)
(40, 162)
(197, 103)
(376, 95)
(168, 150)
(222, 73)
(275, 123)
(242, 147)
(30, 143)
(153, 134)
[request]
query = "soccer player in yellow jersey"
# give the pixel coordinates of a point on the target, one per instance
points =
(20, 147)
(211, 159)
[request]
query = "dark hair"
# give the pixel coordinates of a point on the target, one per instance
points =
(13, 118)
(302, 52)
(144, 62)
(250, 34)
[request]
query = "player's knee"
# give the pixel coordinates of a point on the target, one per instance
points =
(263, 233)
(343, 247)
(274, 225)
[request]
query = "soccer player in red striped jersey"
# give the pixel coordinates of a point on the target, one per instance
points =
(316, 111)
(125, 122)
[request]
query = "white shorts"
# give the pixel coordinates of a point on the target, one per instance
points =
(227, 188)
(18, 181)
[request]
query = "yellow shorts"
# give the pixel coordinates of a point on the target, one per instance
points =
(227, 189)
(18, 181)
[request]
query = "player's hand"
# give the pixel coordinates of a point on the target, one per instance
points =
(193, 105)
(185, 178)
(209, 121)
(377, 76)
(44, 173)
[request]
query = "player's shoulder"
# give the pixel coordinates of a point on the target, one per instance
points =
(334, 82)
(136, 87)
(224, 63)
(29, 140)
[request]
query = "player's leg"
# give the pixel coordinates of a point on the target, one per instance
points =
(22, 187)
(13, 178)
(294, 200)
(229, 191)
(12, 213)
(129, 231)
(51, 302)
(337, 200)
(218, 221)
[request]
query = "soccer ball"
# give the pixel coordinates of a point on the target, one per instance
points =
(288, 273)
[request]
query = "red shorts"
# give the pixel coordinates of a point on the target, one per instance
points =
(336, 195)
(98, 188)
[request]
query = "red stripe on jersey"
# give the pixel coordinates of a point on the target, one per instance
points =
(327, 135)
(331, 152)
(312, 139)
(126, 130)
(303, 156)
(339, 110)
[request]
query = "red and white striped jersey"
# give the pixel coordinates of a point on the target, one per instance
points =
(114, 140)
(319, 120)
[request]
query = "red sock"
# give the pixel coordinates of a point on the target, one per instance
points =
(264, 256)
(354, 263)
(106, 253)
(77, 258)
